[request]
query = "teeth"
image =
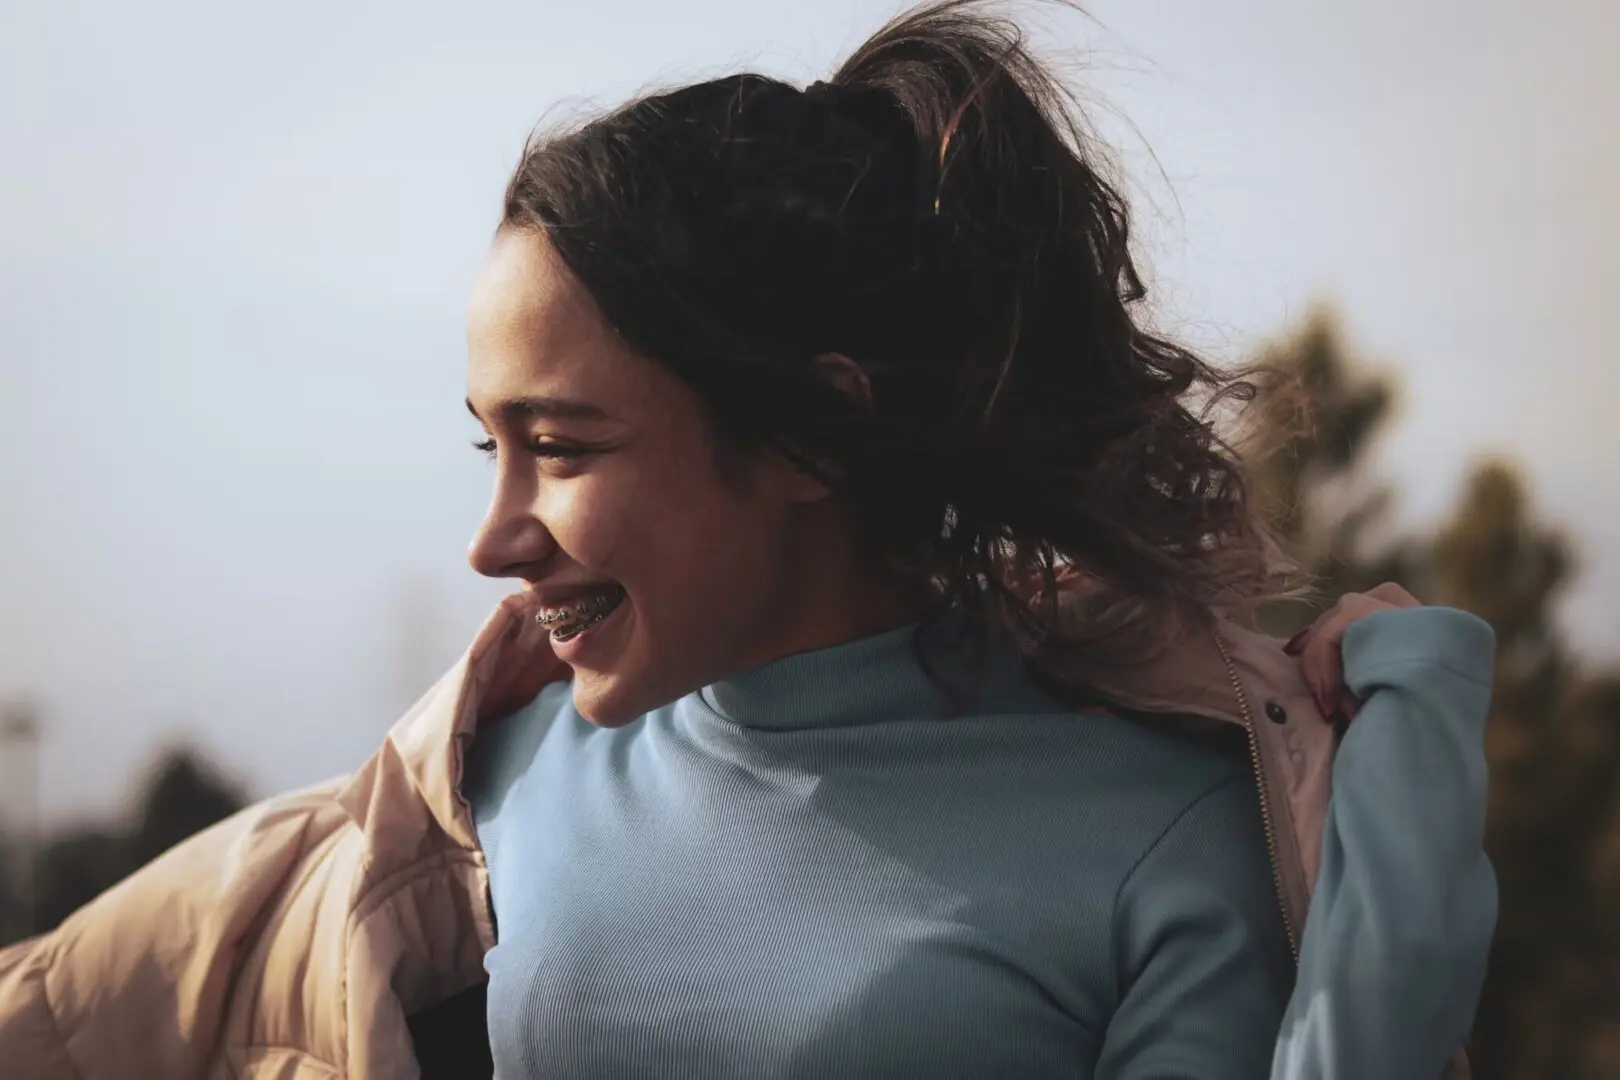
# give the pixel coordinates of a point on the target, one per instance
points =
(565, 633)
(573, 619)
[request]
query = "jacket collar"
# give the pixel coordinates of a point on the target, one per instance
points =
(1192, 672)
(431, 740)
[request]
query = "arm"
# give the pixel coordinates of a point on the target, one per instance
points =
(29, 1039)
(134, 984)
(1400, 925)
(1204, 966)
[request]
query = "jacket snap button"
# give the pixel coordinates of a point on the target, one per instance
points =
(1276, 713)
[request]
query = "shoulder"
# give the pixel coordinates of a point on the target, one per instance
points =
(1098, 792)
(1160, 765)
(1169, 800)
(502, 752)
(1197, 786)
(1200, 857)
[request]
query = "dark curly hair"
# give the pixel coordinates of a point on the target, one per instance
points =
(934, 213)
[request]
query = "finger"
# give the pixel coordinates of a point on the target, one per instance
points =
(1317, 668)
(1306, 645)
(1393, 594)
(1295, 644)
(1321, 659)
(1323, 663)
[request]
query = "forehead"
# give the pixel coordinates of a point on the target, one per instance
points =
(533, 329)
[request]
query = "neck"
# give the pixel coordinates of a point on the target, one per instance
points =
(859, 605)
(833, 594)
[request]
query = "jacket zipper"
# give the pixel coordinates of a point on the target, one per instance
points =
(1265, 797)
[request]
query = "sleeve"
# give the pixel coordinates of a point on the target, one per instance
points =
(1400, 925)
(135, 983)
(1203, 959)
(30, 1041)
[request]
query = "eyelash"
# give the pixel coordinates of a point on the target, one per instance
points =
(538, 449)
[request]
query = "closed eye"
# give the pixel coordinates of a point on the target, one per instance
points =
(536, 447)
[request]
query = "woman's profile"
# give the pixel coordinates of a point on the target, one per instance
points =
(873, 701)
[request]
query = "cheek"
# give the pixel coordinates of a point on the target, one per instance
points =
(594, 519)
(670, 531)
(633, 517)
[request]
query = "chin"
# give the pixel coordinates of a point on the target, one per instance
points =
(600, 701)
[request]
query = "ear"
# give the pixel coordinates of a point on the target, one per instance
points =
(783, 479)
(846, 375)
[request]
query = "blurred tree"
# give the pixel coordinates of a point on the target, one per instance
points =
(1317, 419)
(19, 814)
(75, 868)
(14, 916)
(1550, 1006)
(182, 795)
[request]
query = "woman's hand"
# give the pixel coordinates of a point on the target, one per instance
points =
(1318, 645)
(526, 665)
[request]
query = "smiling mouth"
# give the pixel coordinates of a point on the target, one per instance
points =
(570, 620)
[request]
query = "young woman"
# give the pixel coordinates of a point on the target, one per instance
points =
(870, 706)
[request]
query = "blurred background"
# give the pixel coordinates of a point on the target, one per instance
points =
(235, 486)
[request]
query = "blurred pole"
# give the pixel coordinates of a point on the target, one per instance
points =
(19, 738)
(418, 613)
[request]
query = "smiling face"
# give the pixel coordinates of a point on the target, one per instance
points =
(609, 497)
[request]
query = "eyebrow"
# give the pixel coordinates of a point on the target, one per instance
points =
(513, 410)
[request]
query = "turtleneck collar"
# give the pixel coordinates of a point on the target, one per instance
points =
(878, 678)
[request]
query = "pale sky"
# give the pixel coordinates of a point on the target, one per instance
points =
(235, 246)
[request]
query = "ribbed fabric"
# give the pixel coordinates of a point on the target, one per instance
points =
(1400, 927)
(817, 870)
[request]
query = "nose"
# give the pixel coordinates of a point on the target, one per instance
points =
(510, 540)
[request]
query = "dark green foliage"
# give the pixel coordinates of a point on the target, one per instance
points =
(182, 796)
(1551, 1006)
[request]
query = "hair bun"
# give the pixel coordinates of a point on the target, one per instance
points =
(872, 109)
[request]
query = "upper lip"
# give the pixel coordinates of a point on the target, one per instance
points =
(562, 595)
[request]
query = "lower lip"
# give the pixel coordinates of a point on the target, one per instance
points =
(568, 651)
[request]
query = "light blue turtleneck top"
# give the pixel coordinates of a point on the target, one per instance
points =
(820, 868)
